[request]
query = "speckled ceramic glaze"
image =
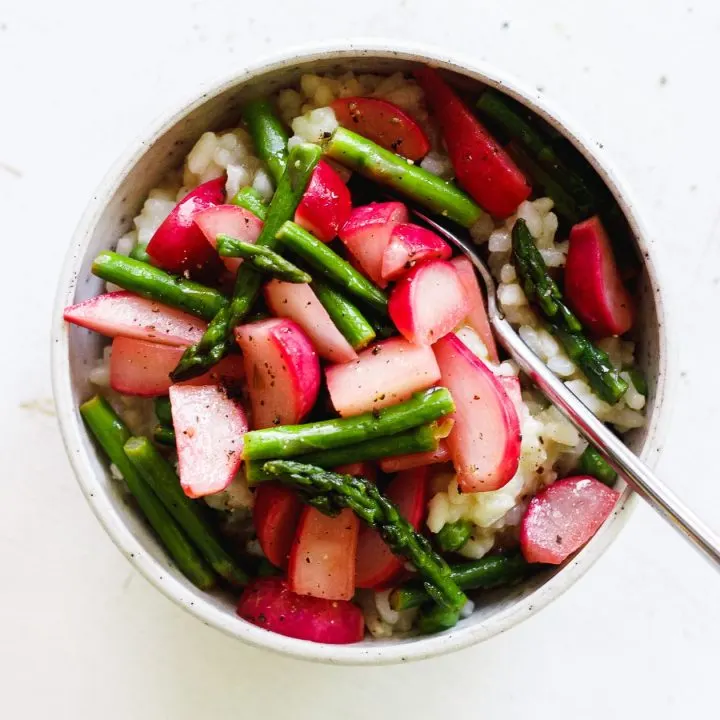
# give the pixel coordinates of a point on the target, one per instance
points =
(110, 214)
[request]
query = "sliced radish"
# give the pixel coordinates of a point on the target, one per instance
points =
(282, 370)
(384, 123)
(326, 204)
(415, 460)
(362, 469)
(139, 367)
(482, 167)
(269, 604)
(125, 314)
(322, 557)
(563, 517)
(276, 512)
(593, 284)
(179, 244)
(231, 220)
(376, 565)
(366, 234)
(298, 302)
(429, 302)
(209, 427)
(485, 440)
(477, 317)
(410, 244)
(511, 385)
(384, 374)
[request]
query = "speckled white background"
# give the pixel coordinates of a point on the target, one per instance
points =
(81, 634)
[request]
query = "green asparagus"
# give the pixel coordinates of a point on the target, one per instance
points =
(454, 535)
(268, 134)
(387, 168)
(289, 440)
(639, 381)
(544, 292)
(161, 477)
(489, 572)
(331, 492)
(155, 284)
(436, 618)
(345, 316)
(163, 410)
(262, 258)
(111, 433)
(164, 435)
(217, 340)
(592, 463)
(326, 261)
(250, 199)
(139, 252)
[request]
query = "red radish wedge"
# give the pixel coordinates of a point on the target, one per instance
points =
(385, 373)
(276, 512)
(376, 565)
(269, 604)
(363, 469)
(485, 440)
(593, 285)
(322, 557)
(298, 302)
(410, 244)
(563, 517)
(511, 385)
(326, 204)
(384, 123)
(367, 232)
(139, 367)
(125, 314)
(209, 427)
(179, 244)
(482, 167)
(231, 220)
(416, 460)
(429, 302)
(477, 317)
(282, 370)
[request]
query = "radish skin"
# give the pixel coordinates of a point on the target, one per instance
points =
(409, 245)
(276, 513)
(326, 204)
(237, 222)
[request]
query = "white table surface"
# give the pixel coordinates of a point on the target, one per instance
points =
(81, 634)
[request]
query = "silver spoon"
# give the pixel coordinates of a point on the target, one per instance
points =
(633, 470)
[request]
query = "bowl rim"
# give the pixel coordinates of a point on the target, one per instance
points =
(72, 429)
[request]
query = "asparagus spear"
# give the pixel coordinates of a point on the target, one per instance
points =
(543, 290)
(217, 339)
(326, 261)
(387, 168)
(453, 536)
(160, 476)
(111, 433)
(250, 199)
(262, 258)
(269, 136)
(346, 317)
(593, 463)
(491, 571)
(331, 492)
(163, 410)
(139, 252)
(436, 618)
(155, 284)
(639, 381)
(289, 440)
(420, 439)
(164, 435)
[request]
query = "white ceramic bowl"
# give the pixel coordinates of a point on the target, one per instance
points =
(109, 215)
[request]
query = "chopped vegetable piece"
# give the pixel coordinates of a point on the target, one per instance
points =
(435, 619)
(594, 464)
(276, 512)
(346, 317)
(250, 199)
(454, 535)
(441, 454)
(262, 259)
(326, 204)
(268, 135)
(410, 244)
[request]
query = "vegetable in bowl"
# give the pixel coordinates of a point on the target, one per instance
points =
(320, 386)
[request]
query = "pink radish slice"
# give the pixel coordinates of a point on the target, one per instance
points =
(485, 440)
(511, 385)
(385, 373)
(209, 427)
(178, 244)
(563, 517)
(299, 303)
(231, 220)
(366, 234)
(429, 302)
(282, 370)
(125, 314)
(414, 460)
(326, 204)
(477, 316)
(410, 244)
(593, 285)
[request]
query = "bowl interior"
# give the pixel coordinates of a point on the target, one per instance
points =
(76, 350)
